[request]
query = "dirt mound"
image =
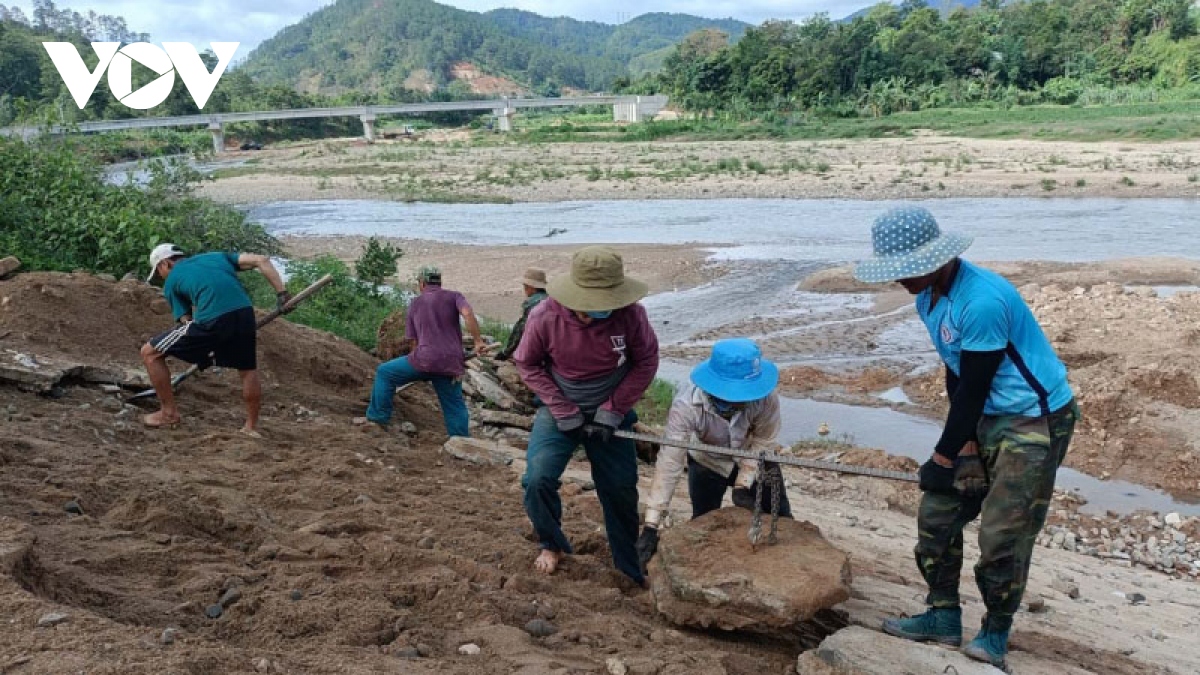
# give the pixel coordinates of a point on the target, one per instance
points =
(98, 321)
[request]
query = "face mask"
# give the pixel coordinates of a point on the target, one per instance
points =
(722, 406)
(599, 315)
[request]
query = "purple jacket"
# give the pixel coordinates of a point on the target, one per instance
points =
(602, 368)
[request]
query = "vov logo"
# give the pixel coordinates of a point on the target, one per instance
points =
(179, 57)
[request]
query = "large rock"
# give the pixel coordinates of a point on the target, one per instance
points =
(489, 389)
(390, 342)
(475, 451)
(706, 575)
(860, 651)
(8, 266)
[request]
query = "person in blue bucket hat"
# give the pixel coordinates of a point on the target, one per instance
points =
(1011, 417)
(731, 403)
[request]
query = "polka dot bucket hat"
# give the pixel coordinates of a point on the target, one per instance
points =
(908, 243)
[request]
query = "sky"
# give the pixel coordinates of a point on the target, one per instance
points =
(252, 21)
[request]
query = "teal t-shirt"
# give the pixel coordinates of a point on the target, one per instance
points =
(205, 286)
(984, 313)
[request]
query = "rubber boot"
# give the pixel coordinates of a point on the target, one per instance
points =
(943, 626)
(989, 646)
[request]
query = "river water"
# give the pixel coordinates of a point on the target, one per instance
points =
(774, 243)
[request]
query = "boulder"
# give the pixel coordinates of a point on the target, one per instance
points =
(475, 451)
(9, 265)
(390, 342)
(705, 574)
(866, 652)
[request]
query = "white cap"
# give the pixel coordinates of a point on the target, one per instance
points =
(160, 253)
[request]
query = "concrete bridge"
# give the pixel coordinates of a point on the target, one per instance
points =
(625, 109)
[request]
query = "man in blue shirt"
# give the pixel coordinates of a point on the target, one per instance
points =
(215, 324)
(1011, 417)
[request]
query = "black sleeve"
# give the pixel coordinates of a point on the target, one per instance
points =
(951, 383)
(976, 371)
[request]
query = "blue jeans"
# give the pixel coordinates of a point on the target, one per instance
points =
(614, 470)
(399, 372)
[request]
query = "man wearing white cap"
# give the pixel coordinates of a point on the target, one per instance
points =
(1012, 413)
(731, 403)
(216, 324)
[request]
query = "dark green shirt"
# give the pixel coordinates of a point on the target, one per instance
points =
(205, 286)
(514, 338)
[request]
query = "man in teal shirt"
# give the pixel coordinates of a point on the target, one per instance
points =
(215, 324)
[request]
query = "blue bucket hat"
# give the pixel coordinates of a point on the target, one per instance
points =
(736, 372)
(908, 243)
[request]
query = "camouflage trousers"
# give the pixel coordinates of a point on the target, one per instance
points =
(1021, 456)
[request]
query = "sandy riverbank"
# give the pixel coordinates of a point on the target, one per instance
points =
(924, 166)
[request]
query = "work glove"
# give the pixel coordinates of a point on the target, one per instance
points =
(936, 478)
(282, 298)
(602, 432)
(576, 435)
(647, 545)
(970, 478)
(743, 497)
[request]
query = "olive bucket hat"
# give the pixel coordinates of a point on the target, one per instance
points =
(908, 243)
(597, 282)
(736, 372)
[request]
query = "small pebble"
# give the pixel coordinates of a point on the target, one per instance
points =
(540, 628)
(408, 653)
(425, 542)
(214, 611)
(297, 595)
(1136, 599)
(469, 649)
(168, 636)
(73, 507)
(262, 665)
(424, 650)
(52, 619)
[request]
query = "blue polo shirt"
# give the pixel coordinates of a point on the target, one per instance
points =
(205, 286)
(984, 313)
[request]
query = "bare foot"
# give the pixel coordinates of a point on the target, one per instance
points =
(547, 561)
(160, 419)
(247, 431)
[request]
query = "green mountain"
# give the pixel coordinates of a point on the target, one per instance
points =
(393, 45)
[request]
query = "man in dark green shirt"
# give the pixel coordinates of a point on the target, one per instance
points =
(535, 293)
(216, 324)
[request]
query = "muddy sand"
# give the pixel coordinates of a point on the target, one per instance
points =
(330, 549)
(921, 166)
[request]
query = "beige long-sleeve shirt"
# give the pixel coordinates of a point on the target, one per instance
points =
(693, 418)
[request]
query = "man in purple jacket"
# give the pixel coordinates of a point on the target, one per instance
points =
(589, 353)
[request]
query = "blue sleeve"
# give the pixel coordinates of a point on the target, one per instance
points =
(985, 324)
(233, 260)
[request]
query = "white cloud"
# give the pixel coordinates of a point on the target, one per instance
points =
(252, 21)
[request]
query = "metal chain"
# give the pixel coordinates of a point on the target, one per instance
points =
(756, 519)
(775, 475)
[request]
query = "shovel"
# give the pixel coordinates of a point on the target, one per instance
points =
(267, 318)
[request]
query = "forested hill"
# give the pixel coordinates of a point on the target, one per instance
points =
(415, 44)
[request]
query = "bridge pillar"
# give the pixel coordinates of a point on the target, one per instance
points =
(504, 121)
(630, 111)
(218, 134)
(368, 121)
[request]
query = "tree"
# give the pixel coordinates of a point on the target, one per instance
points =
(377, 262)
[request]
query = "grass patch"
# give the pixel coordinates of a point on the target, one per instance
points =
(656, 402)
